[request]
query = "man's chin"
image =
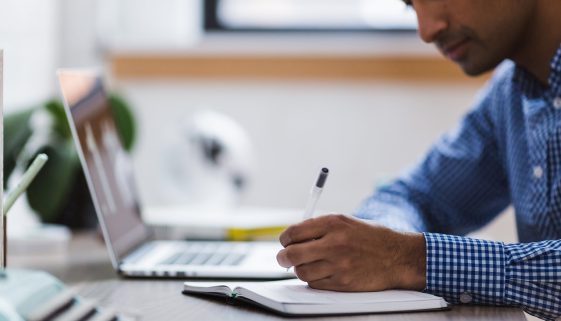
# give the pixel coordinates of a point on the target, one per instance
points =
(474, 70)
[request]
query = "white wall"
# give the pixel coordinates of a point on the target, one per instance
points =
(79, 46)
(92, 28)
(362, 131)
(30, 38)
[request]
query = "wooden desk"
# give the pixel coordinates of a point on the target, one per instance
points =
(87, 269)
(162, 300)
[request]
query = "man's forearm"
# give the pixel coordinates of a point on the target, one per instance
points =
(411, 261)
(465, 270)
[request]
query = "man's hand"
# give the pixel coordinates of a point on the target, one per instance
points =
(341, 253)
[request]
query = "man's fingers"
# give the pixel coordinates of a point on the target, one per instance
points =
(301, 253)
(323, 284)
(313, 228)
(337, 282)
(314, 271)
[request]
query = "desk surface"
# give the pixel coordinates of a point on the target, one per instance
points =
(87, 269)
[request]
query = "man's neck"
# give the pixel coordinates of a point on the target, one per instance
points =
(541, 41)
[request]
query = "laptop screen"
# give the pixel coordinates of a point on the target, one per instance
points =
(106, 164)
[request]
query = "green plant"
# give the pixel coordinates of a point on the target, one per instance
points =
(60, 184)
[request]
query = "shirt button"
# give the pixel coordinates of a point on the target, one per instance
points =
(557, 103)
(538, 171)
(465, 297)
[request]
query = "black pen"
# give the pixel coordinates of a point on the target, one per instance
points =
(315, 194)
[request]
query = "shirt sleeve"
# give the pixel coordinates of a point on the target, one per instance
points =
(470, 271)
(458, 187)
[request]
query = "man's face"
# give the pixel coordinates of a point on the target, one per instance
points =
(475, 34)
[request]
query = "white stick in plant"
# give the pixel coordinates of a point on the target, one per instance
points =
(12, 196)
(27, 178)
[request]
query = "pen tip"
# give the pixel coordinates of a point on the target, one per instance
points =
(325, 170)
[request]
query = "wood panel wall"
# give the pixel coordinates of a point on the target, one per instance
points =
(414, 68)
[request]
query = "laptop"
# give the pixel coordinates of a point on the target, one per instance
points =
(109, 174)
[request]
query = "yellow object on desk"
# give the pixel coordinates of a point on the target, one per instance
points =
(254, 234)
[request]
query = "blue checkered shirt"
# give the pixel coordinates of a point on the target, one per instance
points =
(506, 150)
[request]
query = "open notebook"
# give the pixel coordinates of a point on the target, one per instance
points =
(294, 297)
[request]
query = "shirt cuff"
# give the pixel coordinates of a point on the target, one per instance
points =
(465, 270)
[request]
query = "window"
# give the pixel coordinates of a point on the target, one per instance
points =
(308, 15)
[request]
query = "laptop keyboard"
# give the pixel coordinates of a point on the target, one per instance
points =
(208, 253)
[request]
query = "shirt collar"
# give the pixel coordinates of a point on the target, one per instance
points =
(531, 87)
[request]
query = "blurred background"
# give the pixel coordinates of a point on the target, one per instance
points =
(277, 88)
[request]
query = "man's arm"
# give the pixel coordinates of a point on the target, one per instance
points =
(341, 253)
(526, 275)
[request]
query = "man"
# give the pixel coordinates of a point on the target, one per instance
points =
(507, 150)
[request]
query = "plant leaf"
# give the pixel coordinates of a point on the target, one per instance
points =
(48, 193)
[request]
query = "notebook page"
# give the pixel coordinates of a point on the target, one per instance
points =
(298, 292)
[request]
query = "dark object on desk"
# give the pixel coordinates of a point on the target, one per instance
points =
(37, 296)
(59, 194)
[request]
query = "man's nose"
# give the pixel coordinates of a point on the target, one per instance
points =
(431, 21)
